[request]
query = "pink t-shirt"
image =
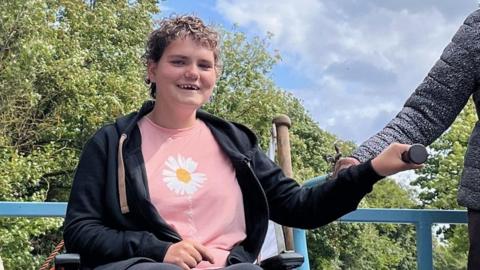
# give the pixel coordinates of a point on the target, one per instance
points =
(193, 186)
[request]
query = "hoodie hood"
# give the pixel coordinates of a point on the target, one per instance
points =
(236, 140)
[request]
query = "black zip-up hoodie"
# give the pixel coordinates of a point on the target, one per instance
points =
(110, 220)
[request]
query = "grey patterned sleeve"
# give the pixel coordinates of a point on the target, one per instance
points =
(436, 102)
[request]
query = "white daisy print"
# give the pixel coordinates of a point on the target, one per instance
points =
(181, 177)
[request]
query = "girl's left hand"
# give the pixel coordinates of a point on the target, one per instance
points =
(389, 161)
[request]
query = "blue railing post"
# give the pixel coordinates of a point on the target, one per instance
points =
(300, 240)
(424, 245)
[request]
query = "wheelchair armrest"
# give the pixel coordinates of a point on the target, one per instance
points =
(67, 261)
(284, 261)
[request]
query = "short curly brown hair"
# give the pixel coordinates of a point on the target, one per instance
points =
(175, 27)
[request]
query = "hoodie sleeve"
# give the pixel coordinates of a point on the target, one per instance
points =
(87, 228)
(311, 207)
(437, 101)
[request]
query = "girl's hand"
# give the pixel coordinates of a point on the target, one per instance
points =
(187, 254)
(389, 161)
(344, 163)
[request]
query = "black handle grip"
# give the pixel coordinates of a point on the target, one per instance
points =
(417, 154)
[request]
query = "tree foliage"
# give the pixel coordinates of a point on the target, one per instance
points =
(66, 67)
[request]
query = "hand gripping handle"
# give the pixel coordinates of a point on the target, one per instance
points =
(417, 154)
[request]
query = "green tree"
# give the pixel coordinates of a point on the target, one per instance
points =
(66, 67)
(451, 254)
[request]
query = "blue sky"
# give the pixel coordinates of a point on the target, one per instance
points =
(352, 63)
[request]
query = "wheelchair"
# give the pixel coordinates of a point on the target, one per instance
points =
(283, 261)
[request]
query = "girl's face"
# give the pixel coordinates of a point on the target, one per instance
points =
(185, 75)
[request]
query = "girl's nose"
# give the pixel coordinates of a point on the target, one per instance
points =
(191, 73)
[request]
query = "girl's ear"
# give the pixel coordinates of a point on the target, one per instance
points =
(151, 69)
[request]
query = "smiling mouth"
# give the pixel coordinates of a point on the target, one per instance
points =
(188, 87)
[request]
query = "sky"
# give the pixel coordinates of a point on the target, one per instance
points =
(352, 63)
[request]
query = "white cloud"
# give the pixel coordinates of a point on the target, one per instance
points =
(363, 58)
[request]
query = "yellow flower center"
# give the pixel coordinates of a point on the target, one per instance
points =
(183, 175)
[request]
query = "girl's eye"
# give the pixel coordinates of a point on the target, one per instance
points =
(177, 62)
(205, 66)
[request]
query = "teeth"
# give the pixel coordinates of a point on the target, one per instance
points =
(189, 87)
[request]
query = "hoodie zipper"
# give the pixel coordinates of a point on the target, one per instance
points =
(122, 189)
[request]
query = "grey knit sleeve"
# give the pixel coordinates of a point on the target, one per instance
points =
(436, 102)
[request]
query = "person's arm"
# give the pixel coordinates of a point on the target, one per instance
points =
(310, 207)
(86, 230)
(438, 100)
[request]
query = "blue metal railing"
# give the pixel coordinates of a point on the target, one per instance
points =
(33, 209)
(423, 219)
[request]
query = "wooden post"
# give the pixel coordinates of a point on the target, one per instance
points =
(282, 124)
